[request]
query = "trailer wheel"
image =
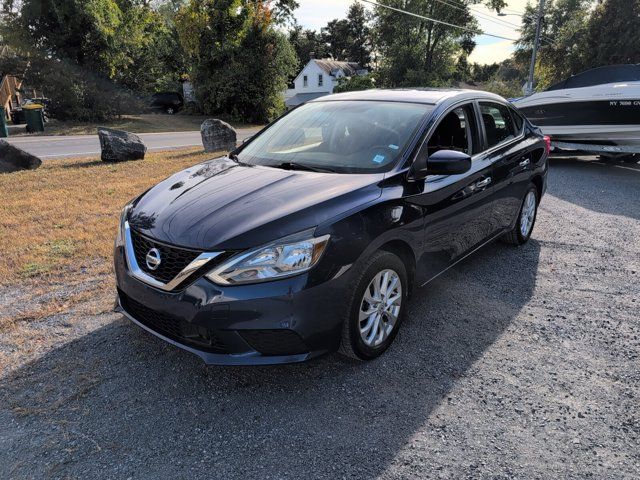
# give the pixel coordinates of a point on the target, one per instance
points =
(633, 158)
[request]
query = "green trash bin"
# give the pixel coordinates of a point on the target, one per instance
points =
(4, 131)
(34, 114)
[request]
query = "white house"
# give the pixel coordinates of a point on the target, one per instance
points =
(318, 78)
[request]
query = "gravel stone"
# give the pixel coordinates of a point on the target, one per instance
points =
(520, 362)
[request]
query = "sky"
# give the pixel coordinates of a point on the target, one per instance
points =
(316, 13)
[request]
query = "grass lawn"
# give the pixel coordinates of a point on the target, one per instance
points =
(146, 123)
(57, 228)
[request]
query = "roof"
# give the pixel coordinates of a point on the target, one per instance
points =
(300, 98)
(599, 76)
(429, 96)
(330, 66)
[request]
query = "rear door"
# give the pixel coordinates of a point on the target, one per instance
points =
(457, 208)
(507, 150)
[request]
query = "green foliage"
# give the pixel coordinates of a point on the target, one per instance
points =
(345, 39)
(576, 37)
(240, 62)
(351, 84)
(76, 95)
(306, 43)
(416, 52)
(126, 41)
(612, 34)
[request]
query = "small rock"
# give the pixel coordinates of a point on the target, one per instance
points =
(217, 135)
(13, 159)
(120, 146)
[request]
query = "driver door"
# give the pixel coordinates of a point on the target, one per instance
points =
(457, 208)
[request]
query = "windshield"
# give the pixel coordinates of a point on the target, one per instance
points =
(338, 136)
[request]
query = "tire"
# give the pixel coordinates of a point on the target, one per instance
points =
(633, 158)
(517, 236)
(354, 344)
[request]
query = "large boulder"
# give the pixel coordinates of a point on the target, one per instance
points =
(13, 159)
(120, 146)
(217, 135)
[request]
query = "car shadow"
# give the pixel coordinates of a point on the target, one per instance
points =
(596, 184)
(120, 403)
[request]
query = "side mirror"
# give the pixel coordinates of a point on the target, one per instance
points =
(442, 162)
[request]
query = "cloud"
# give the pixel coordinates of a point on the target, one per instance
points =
(492, 52)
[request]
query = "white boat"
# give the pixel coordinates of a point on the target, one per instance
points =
(597, 111)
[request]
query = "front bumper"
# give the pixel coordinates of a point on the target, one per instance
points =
(275, 322)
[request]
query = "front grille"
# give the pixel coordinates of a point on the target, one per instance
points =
(184, 332)
(274, 342)
(173, 259)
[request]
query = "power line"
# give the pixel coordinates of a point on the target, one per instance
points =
(487, 17)
(482, 15)
(477, 32)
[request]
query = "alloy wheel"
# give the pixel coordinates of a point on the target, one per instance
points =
(380, 307)
(528, 214)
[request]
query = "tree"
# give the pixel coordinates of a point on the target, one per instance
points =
(562, 48)
(239, 61)
(307, 43)
(416, 52)
(611, 35)
(359, 49)
(350, 38)
(126, 41)
(337, 38)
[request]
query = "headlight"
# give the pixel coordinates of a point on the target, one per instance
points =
(123, 218)
(283, 258)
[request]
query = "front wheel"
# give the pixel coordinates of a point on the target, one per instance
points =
(526, 219)
(376, 307)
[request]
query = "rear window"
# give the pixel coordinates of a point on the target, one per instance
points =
(498, 123)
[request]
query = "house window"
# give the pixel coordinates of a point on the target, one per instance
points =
(305, 81)
(319, 79)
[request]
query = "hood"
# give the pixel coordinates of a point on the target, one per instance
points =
(223, 205)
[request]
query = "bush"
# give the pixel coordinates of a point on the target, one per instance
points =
(352, 84)
(76, 94)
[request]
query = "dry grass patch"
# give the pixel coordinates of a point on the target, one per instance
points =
(61, 219)
(144, 123)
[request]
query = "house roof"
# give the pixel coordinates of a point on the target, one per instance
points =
(300, 98)
(331, 66)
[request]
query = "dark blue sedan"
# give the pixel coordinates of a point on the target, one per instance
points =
(310, 237)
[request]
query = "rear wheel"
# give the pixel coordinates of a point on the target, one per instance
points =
(170, 110)
(526, 219)
(376, 307)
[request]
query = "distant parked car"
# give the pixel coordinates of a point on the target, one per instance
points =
(168, 102)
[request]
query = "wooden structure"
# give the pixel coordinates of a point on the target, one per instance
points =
(9, 95)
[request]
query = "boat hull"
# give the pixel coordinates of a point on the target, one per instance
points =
(605, 115)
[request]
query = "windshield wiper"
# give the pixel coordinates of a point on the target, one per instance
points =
(302, 166)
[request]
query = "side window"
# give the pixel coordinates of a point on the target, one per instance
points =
(320, 79)
(498, 123)
(454, 132)
(518, 121)
(305, 81)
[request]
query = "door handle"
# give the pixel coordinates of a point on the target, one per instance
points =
(483, 183)
(525, 162)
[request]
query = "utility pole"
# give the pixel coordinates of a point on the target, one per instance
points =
(536, 44)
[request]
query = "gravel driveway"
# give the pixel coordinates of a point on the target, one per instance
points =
(519, 362)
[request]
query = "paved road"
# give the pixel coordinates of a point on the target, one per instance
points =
(517, 363)
(48, 147)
